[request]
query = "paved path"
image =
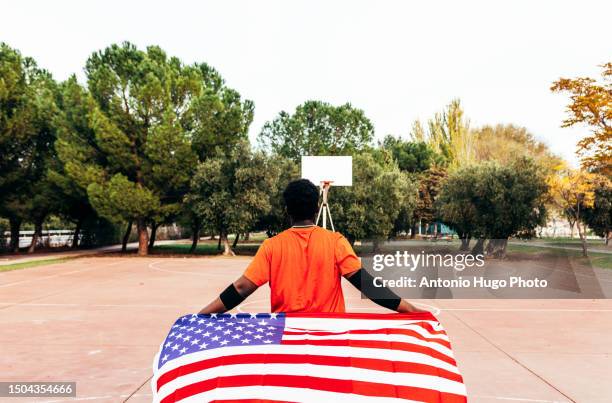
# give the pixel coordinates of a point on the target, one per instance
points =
(601, 248)
(24, 257)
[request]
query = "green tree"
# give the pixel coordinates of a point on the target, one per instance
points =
(418, 159)
(134, 138)
(141, 107)
(27, 110)
(220, 117)
(19, 86)
(369, 208)
(72, 124)
(428, 187)
(599, 216)
(317, 128)
(455, 204)
(276, 219)
(231, 191)
(411, 156)
(501, 201)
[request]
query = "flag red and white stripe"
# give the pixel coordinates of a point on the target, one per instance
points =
(312, 358)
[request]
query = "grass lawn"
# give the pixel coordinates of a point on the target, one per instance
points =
(204, 248)
(601, 260)
(571, 242)
(33, 263)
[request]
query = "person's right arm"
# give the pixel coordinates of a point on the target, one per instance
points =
(233, 295)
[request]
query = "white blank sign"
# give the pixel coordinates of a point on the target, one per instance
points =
(337, 170)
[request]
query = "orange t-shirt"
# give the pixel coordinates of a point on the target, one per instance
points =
(304, 267)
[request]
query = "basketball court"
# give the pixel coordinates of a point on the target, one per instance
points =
(99, 321)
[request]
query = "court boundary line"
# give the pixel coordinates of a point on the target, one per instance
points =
(153, 266)
(515, 399)
(58, 274)
(513, 358)
(148, 380)
(21, 303)
(437, 309)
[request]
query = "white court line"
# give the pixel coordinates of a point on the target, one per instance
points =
(516, 399)
(435, 310)
(101, 305)
(89, 398)
(239, 308)
(525, 310)
(153, 266)
(60, 274)
(107, 397)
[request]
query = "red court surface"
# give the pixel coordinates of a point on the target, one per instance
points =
(99, 321)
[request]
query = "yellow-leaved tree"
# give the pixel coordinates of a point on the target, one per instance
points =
(572, 191)
(591, 105)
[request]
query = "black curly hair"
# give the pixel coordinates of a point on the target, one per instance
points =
(301, 199)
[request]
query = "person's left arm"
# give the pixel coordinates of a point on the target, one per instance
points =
(350, 268)
(256, 274)
(231, 297)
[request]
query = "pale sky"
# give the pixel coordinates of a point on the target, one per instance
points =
(397, 60)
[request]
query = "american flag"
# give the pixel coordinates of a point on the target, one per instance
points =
(306, 357)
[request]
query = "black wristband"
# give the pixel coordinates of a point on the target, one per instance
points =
(364, 282)
(231, 297)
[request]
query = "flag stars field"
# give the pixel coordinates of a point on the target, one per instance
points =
(220, 328)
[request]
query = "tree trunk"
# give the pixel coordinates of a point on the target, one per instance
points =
(608, 236)
(413, 230)
(497, 248)
(126, 237)
(582, 235)
(465, 243)
(227, 250)
(478, 249)
(37, 235)
(490, 246)
(247, 236)
(236, 240)
(77, 233)
(15, 227)
(219, 243)
(143, 237)
(375, 245)
(154, 228)
(195, 235)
